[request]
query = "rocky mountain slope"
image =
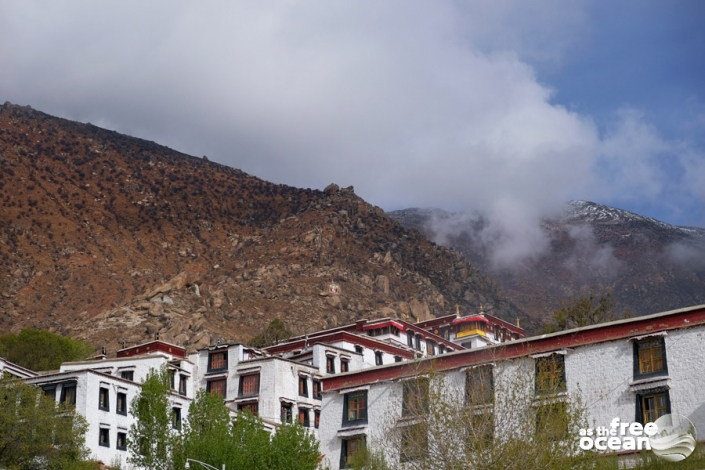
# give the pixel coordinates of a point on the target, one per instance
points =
(649, 266)
(113, 239)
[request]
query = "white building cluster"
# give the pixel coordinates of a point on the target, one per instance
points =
(281, 383)
(345, 383)
(635, 370)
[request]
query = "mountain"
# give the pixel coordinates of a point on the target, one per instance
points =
(114, 239)
(648, 266)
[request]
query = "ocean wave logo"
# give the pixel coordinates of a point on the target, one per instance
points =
(675, 439)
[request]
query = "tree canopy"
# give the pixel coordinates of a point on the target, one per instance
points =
(275, 332)
(41, 350)
(583, 311)
(211, 435)
(36, 432)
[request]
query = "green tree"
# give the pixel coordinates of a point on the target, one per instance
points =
(293, 447)
(151, 439)
(41, 350)
(583, 311)
(35, 430)
(275, 332)
(211, 436)
(206, 431)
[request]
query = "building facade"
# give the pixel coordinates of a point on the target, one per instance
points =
(635, 370)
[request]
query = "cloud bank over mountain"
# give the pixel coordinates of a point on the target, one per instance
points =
(432, 104)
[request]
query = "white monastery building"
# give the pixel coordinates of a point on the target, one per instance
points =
(636, 370)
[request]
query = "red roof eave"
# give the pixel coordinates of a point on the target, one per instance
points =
(469, 319)
(622, 329)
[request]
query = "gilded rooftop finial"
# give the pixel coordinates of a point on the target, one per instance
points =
(457, 309)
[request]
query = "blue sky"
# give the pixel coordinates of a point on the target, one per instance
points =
(507, 107)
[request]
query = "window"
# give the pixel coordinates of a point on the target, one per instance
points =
(287, 409)
(249, 385)
(418, 342)
(378, 358)
(217, 387)
(650, 358)
(172, 378)
(410, 339)
(430, 347)
(441, 349)
(68, 393)
(652, 405)
(317, 390)
(397, 358)
(176, 418)
(355, 408)
(50, 391)
(552, 421)
(344, 365)
(121, 443)
(316, 418)
(550, 374)
(414, 443)
(104, 437)
(252, 408)
(350, 447)
(303, 386)
(128, 375)
(480, 433)
(182, 385)
(218, 360)
(304, 417)
(359, 349)
(104, 399)
(479, 386)
(330, 364)
(415, 397)
(121, 403)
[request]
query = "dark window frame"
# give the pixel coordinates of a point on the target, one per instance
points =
(219, 365)
(287, 412)
(415, 397)
(652, 393)
(303, 386)
(71, 400)
(360, 443)
(379, 358)
(183, 385)
(650, 344)
(317, 390)
(305, 417)
(121, 403)
(414, 447)
(252, 407)
(176, 417)
(547, 368)
(209, 386)
(359, 400)
(484, 393)
(316, 418)
(121, 441)
(104, 437)
(104, 399)
(244, 384)
(128, 375)
(330, 364)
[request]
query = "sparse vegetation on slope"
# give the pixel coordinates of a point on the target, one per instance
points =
(114, 239)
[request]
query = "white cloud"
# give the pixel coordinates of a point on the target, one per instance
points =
(414, 103)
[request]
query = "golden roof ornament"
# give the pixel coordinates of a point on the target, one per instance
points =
(482, 308)
(457, 309)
